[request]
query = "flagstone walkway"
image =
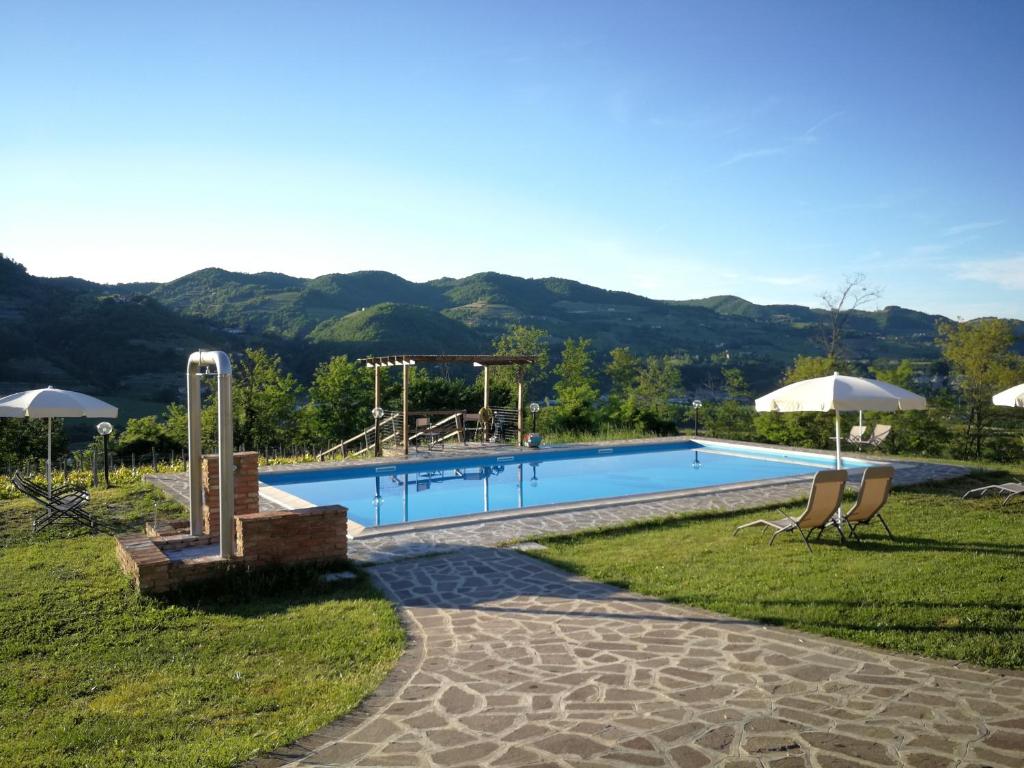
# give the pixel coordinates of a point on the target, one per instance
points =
(516, 663)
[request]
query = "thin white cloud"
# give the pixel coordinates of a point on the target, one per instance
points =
(1006, 272)
(753, 154)
(974, 226)
(811, 134)
(931, 248)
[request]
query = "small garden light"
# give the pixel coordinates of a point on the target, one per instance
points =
(105, 428)
(534, 408)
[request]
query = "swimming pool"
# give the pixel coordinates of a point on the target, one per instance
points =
(428, 490)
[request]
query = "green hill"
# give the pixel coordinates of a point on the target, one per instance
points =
(134, 338)
(392, 329)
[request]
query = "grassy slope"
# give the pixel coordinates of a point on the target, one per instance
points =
(949, 586)
(96, 675)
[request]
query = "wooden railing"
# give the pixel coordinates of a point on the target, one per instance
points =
(388, 434)
(455, 420)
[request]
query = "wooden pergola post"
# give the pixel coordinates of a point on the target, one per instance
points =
(519, 400)
(405, 409)
(482, 361)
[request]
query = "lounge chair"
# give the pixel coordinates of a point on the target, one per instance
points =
(821, 512)
(69, 504)
(856, 436)
(871, 497)
(879, 435)
(1006, 490)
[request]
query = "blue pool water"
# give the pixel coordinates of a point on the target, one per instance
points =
(385, 495)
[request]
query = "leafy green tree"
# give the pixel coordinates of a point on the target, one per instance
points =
(143, 435)
(657, 383)
(576, 388)
(735, 383)
(519, 340)
(340, 401)
(623, 370)
(921, 433)
(980, 354)
(265, 401)
(24, 439)
(732, 418)
(176, 425)
(440, 393)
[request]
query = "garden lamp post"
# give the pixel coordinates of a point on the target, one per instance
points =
(104, 428)
(534, 408)
(697, 404)
(377, 413)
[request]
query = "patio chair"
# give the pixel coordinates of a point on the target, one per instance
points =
(426, 431)
(1006, 490)
(879, 435)
(471, 424)
(64, 492)
(871, 497)
(70, 504)
(856, 436)
(821, 512)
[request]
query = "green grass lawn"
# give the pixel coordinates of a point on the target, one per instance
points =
(950, 586)
(96, 675)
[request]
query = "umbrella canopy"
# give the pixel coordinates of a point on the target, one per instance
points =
(52, 404)
(840, 393)
(1012, 397)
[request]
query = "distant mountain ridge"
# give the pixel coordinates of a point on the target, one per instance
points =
(134, 337)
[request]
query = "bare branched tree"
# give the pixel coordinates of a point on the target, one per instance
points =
(853, 293)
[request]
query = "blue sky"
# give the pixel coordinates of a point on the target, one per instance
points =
(673, 149)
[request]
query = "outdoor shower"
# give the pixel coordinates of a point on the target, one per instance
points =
(225, 447)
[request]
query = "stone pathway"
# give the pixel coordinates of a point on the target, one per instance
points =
(516, 663)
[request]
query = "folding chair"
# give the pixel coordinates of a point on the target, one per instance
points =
(820, 514)
(66, 502)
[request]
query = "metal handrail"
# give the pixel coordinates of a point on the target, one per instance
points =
(456, 417)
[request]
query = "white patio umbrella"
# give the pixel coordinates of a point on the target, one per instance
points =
(1012, 397)
(53, 404)
(840, 393)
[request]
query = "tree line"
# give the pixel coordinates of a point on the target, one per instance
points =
(643, 395)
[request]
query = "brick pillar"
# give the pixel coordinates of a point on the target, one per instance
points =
(247, 491)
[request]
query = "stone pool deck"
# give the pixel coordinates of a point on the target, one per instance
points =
(513, 662)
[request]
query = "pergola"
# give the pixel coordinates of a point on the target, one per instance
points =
(480, 361)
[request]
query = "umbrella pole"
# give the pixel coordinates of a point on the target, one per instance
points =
(839, 457)
(49, 457)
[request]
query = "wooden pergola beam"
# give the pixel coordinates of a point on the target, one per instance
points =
(382, 361)
(481, 361)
